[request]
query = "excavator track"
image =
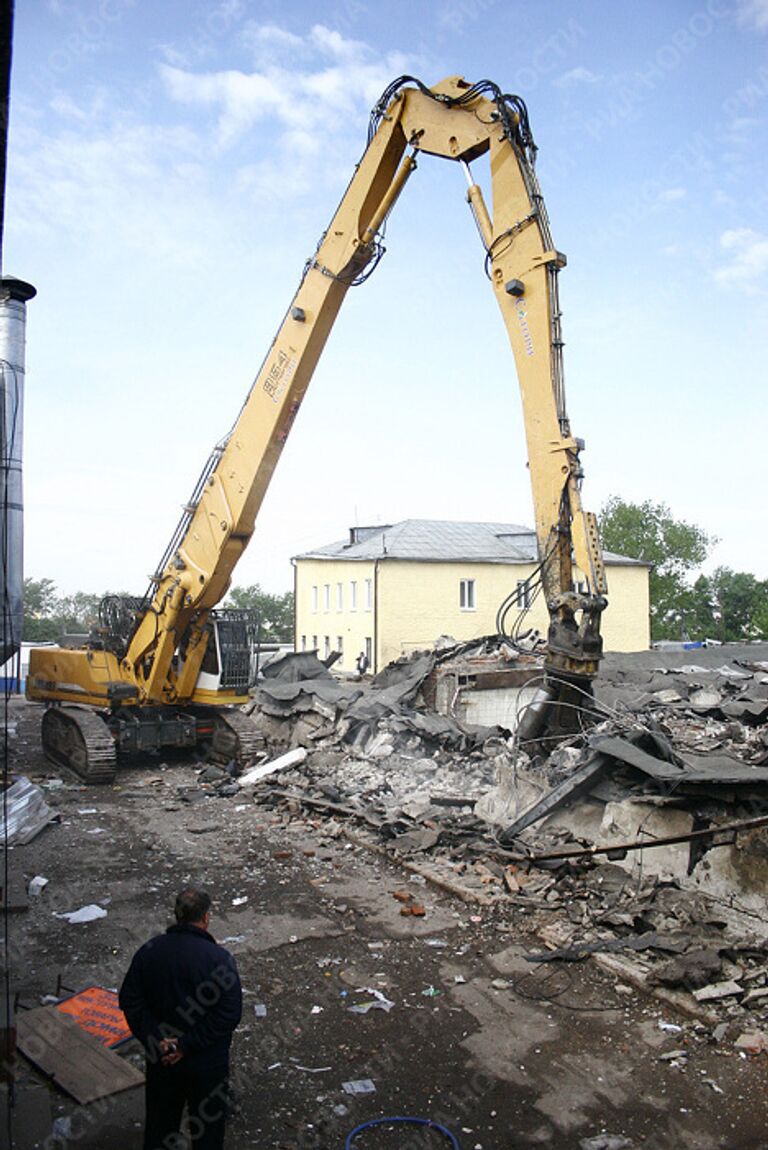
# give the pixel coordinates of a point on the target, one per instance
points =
(79, 740)
(235, 736)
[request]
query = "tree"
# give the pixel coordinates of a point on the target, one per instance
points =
(731, 605)
(39, 606)
(48, 616)
(275, 611)
(39, 597)
(674, 548)
(78, 612)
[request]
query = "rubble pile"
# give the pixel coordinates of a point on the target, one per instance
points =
(300, 703)
(578, 842)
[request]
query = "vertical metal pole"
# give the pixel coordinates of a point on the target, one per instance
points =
(13, 319)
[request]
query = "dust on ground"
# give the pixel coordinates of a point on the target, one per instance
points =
(501, 1052)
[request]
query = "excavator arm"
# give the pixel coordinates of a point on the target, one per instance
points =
(163, 655)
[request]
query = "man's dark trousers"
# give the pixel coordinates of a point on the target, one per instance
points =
(203, 1088)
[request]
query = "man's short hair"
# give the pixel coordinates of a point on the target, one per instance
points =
(192, 905)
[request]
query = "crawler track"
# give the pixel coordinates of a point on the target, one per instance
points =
(78, 739)
(235, 736)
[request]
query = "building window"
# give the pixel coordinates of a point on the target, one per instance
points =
(303, 642)
(314, 598)
(340, 644)
(523, 596)
(339, 596)
(580, 587)
(353, 596)
(369, 651)
(327, 646)
(327, 597)
(314, 642)
(467, 594)
(368, 594)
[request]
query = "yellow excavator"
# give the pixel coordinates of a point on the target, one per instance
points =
(171, 669)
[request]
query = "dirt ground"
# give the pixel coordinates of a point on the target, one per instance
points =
(501, 1052)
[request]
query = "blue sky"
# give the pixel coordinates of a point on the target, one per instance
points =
(172, 165)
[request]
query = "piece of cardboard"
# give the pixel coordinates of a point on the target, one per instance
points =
(97, 1011)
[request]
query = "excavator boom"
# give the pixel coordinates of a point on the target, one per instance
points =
(161, 658)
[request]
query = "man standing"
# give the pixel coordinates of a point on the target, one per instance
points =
(182, 999)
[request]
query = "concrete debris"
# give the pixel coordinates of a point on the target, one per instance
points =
(290, 759)
(718, 990)
(646, 834)
(752, 1042)
(691, 971)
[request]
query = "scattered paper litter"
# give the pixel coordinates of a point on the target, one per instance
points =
(84, 914)
(359, 1086)
(378, 1002)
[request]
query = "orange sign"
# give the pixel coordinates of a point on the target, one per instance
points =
(96, 1010)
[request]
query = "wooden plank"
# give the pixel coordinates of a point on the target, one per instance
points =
(14, 897)
(75, 1060)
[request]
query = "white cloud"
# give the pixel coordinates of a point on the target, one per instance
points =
(67, 108)
(242, 99)
(321, 83)
(671, 195)
(578, 75)
(748, 257)
(268, 43)
(754, 14)
(275, 47)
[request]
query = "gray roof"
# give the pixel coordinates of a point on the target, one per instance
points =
(439, 540)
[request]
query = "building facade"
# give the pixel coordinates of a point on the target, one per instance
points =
(386, 591)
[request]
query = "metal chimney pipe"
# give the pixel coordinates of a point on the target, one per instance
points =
(14, 294)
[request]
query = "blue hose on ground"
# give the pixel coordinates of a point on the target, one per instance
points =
(414, 1121)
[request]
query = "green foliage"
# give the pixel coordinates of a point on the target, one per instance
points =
(48, 616)
(673, 547)
(730, 606)
(275, 611)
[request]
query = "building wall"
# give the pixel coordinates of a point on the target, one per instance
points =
(317, 623)
(417, 602)
(627, 619)
(420, 601)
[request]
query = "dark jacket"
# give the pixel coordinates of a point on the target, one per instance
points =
(182, 983)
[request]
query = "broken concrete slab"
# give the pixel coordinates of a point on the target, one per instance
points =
(716, 990)
(634, 821)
